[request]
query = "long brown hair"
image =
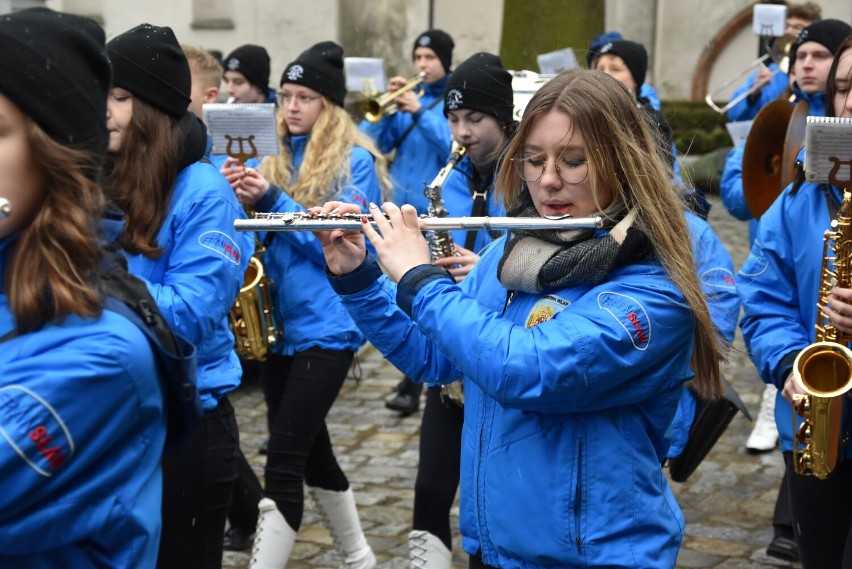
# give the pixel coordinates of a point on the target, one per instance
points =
(54, 268)
(831, 86)
(325, 169)
(622, 156)
(143, 176)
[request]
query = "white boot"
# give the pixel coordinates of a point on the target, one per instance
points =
(341, 516)
(273, 538)
(764, 435)
(427, 550)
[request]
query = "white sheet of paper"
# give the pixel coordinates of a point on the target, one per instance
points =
(828, 148)
(739, 131)
(557, 61)
(769, 19)
(365, 74)
(242, 129)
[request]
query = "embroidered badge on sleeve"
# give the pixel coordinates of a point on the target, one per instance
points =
(630, 315)
(222, 244)
(33, 428)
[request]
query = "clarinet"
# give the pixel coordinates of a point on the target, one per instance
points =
(441, 242)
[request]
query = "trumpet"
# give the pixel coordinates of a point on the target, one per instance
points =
(301, 221)
(376, 107)
(779, 53)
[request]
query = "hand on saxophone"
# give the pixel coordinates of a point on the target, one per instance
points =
(233, 170)
(460, 264)
(253, 186)
(838, 310)
(791, 388)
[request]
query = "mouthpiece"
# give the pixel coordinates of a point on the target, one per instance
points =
(231, 100)
(5, 208)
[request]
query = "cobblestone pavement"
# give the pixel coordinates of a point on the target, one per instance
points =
(727, 503)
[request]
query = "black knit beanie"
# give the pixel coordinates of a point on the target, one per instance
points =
(828, 33)
(253, 62)
(320, 67)
(438, 41)
(53, 66)
(149, 62)
(634, 56)
(481, 84)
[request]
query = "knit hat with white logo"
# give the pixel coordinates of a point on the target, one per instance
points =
(320, 67)
(634, 55)
(828, 33)
(253, 62)
(438, 41)
(480, 84)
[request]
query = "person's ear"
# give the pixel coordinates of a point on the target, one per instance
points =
(211, 94)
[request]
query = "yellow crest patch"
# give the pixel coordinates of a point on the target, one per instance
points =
(544, 309)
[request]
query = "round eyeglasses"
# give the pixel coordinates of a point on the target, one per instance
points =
(572, 170)
(303, 100)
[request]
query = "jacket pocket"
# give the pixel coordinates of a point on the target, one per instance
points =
(575, 498)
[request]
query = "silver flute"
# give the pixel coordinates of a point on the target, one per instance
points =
(300, 221)
(5, 208)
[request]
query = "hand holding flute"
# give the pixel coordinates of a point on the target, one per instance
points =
(397, 239)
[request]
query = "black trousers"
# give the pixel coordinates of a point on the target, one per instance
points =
(822, 516)
(197, 488)
(440, 463)
(302, 388)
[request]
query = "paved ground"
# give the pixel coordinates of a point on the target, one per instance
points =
(727, 503)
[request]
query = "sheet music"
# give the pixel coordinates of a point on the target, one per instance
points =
(241, 128)
(828, 140)
(739, 131)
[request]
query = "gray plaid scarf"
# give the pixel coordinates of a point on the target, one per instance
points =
(536, 261)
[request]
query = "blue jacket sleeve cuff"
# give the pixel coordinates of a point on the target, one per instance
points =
(784, 368)
(415, 279)
(267, 202)
(366, 274)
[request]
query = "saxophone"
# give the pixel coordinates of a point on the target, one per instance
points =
(823, 370)
(252, 318)
(441, 244)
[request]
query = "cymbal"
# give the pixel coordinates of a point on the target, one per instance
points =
(762, 156)
(793, 141)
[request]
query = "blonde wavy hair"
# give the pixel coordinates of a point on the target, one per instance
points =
(622, 155)
(325, 170)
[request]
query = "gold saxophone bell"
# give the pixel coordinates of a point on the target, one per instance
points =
(376, 107)
(823, 370)
(251, 315)
(252, 318)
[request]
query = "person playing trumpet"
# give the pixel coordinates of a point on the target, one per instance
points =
(420, 138)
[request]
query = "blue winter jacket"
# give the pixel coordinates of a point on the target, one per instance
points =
(197, 278)
(458, 200)
(83, 427)
(716, 276)
(306, 309)
(779, 285)
(567, 399)
(731, 186)
(423, 152)
(746, 110)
